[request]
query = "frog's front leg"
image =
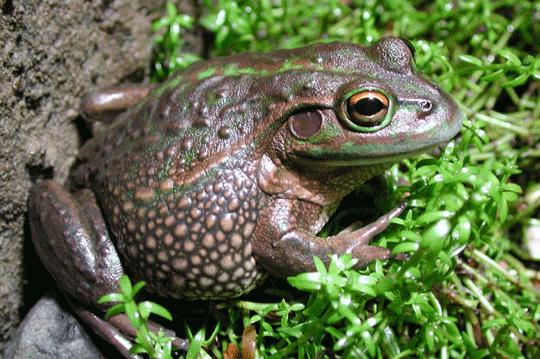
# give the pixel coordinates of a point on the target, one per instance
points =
(285, 245)
(72, 241)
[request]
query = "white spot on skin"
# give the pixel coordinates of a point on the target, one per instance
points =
(180, 230)
(210, 270)
(208, 240)
(169, 221)
(196, 260)
(222, 248)
(178, 281)
(226, 223)
(239, 272)
(234, 205)
(220, 236)
(205, 282)
(189, 245)
(162, 256)
(151, 242)
(179, 263)
(144, 194)
(249, 265)
(248, 229)
(195, 213)
(236, 240)
(227, 262)
(247, 250)
(223, 277)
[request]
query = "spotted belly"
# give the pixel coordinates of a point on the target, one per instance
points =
(194, 244)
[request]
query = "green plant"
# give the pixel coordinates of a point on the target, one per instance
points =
(156, 345)
(463, 289)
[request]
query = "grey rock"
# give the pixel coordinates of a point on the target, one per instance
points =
(51, 52)
(50, 331)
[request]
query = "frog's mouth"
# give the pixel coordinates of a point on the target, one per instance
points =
(344, 159)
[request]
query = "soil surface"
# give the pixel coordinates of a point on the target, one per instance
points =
(51, 53)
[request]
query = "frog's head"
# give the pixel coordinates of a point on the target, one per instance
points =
(370, 108)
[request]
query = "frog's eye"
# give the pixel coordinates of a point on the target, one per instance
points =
(305, 124)
(367, 108)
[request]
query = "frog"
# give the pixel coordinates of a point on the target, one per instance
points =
(225, 173)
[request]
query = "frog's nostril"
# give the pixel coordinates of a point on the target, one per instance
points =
(425, 105)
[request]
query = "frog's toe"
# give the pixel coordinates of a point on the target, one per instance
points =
(367, 254)
(71, 240)
(106, 103)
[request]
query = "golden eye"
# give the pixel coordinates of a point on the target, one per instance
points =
(367, 108)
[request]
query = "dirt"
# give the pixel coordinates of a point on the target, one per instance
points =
(51, 53)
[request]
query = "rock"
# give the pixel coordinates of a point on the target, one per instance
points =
(50, 331)
(51, 52)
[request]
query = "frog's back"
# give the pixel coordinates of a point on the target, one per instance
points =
(203, 114)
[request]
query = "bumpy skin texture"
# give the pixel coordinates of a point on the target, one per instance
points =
(211, 181)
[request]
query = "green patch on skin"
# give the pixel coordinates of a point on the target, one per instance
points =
(164, 172)
(329, 132)
(317, 151)
(167, 85)
(352, 148)
(190, 156)
(212, 98)
(206, 73)
(289, 65)
(348, 148)
(233, 69)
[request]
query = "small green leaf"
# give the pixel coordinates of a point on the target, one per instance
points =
(137, 287)
(308, 282)
(512, 187)
(471, 60)
(434, 216)
(405, 247)
(125, 286)
(492, 76)
(156, 309)
(112, 297)
(115, 310)
(138, 349)
(195, 344)
(319, 265)
(133, 314)
(520, 80)
(510, 56)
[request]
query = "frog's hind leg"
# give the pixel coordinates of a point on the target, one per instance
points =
(104, 104)
(71, 240)
(73, 243)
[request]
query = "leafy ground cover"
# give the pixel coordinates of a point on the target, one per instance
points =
(466, 284)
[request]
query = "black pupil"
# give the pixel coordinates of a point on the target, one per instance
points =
(368, 106)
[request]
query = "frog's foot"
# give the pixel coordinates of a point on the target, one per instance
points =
(119, 331)
(103, 105)
(356, 242)
(106, 331)
(72, 241)
(294, 251)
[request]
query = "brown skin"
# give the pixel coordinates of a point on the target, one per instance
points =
(228, 171)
